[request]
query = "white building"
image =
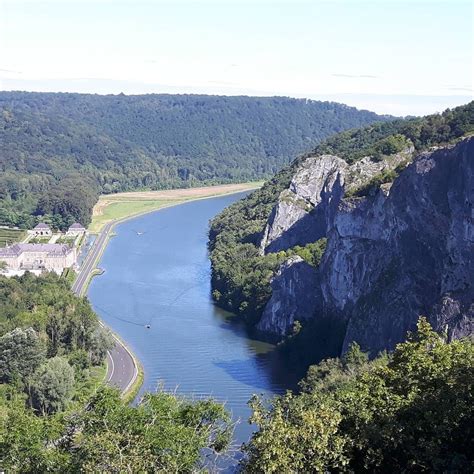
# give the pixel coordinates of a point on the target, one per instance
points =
(49, 257)
(75, 230)
(41, 229)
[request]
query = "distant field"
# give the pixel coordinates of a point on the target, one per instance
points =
(117, 206)
(8, 236)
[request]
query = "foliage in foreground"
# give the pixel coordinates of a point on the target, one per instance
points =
(51, 343)
(164, 433)
(52, 416)
(410, 412)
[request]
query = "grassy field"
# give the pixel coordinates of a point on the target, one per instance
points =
(9, 236)
(40, 240)
(66, 240)
(111, 207)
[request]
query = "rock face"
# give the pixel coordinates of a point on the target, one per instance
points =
(290, 301)
(306, 209)
(406, 251)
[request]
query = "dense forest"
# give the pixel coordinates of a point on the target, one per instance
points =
(409, 411)
(50, 340)
(60, 150)
(241, 274)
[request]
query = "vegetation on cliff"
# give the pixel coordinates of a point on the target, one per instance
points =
(240, 272)
(410, 411)
(59, 151)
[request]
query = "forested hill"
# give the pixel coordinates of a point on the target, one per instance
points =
(59, 150)
(328, 221)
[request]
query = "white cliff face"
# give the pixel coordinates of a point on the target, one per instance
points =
(406, 251)
(317, 183)
(307, 208)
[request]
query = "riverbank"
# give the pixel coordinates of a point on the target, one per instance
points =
(120, 206)
(155, 293)
(116, 209)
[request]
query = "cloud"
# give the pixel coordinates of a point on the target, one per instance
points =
(356, 76)
(10, 71)
(457, 88)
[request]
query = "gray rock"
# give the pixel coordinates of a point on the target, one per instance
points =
(307, 208)
(290, 301)
(404, 252)
(304, 209)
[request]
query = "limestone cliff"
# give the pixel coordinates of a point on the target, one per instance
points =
(404, 250)
(307, 208)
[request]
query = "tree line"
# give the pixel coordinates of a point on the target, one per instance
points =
(60, 150)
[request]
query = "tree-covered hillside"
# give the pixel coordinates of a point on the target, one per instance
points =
(240, 273)
(59, 151)
(56, 415)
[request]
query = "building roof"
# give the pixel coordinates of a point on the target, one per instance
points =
(77, 226)
(42, 225)
(51, 250)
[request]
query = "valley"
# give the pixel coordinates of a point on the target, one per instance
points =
(236, 237)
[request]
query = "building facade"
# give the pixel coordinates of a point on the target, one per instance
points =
(42, 229)
(49, 257)
(75, 230)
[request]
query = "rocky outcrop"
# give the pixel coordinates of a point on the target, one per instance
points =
(304, 209)
(404, 252)
(289, 301)
(307, 208)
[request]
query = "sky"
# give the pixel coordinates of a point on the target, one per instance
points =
(402, 57)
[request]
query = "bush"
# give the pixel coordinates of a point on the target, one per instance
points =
(412, 411)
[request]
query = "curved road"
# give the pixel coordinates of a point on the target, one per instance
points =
(121, 368)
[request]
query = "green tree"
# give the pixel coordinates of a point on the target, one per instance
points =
(295, 437)
(52, 386)
(164, 433)
(101, 341)
(21, 353)
(27, 441)
(411, 411)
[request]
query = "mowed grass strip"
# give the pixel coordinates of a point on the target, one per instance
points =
(10, 236)
(121, 209)
(111, 207)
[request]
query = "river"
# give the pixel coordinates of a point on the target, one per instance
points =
(157, 273)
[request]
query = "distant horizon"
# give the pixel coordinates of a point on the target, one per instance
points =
(393, 57)
(457, 101)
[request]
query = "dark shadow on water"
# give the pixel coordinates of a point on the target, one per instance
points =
(284, 374)
(279, 378)
(244, 372)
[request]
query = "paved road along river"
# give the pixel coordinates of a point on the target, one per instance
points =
(121, 368)
(155, 293)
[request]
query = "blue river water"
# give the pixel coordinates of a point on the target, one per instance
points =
(157, 273)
